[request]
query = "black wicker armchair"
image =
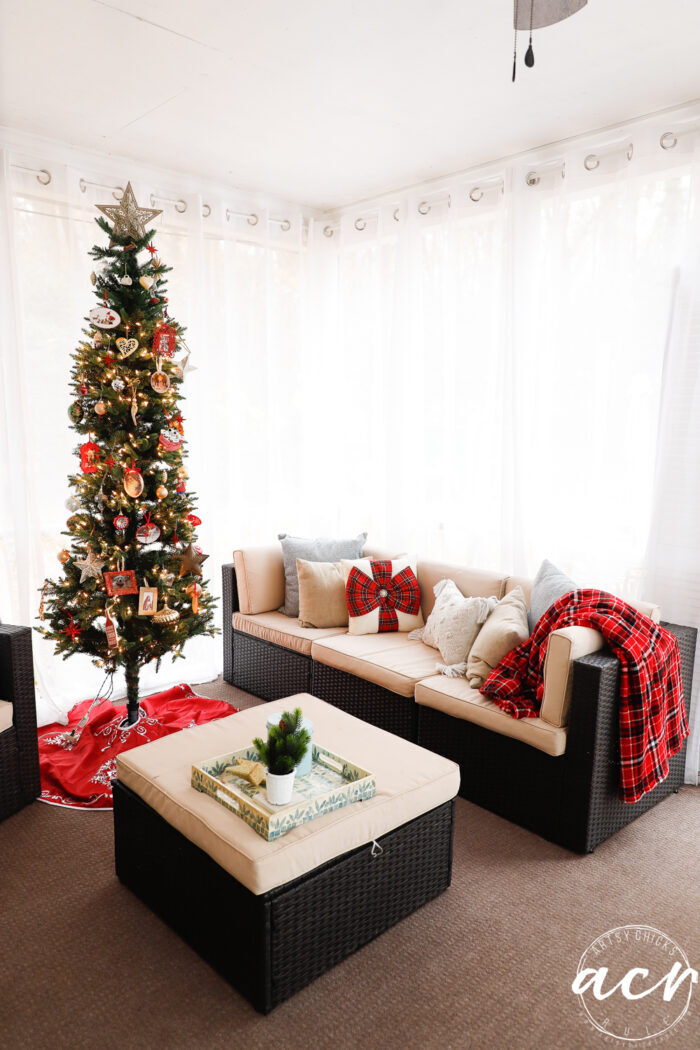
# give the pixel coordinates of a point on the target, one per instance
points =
(19, 752)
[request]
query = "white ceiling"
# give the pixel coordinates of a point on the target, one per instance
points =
(330, 101)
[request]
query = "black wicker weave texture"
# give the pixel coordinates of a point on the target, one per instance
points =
(298, 931)
(229, 607)
(380, 707)
(267, 670)
(19, 750)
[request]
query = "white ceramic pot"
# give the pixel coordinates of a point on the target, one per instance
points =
(279, 788)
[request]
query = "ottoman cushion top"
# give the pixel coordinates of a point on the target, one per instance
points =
(410, 781)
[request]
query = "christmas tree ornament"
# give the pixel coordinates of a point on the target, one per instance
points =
(118, 384)
(71, 631)
(181, 486)
(75, 412)
(161, 492)
(42, 609)
(100, 407)
(194, 590)
(108, 360)
(125, 279)
(145, 281)
(127, 218)
(151, 248)
(148, 532)
(191, 561)
(72, 503)
(121, 524)
(133, 482)
(148, 601)
(168, 578)
(63, 556)
(90, 566)
(120, 581)
(104, 317)
(93, 278)
(164, 341)
(155, 262)
(111, 627)
(159, 381)
(89, 457)
(134, 406)
(126, 347)
(97, 339)
(83, 388)
(193, 520)
(169, 439)
(166, 615)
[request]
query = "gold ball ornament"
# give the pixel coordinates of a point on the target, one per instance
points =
(63, 557)
(161, 492)
(100, 408)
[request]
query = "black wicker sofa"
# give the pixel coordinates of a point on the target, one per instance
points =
(562, 780)
(19, 750)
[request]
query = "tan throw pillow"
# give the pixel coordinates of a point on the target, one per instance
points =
(453, 624)
(505, 629)
(321, 594)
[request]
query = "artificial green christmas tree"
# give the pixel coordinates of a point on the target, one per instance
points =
(132, 590)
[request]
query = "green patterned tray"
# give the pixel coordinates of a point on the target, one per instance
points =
(332, 783)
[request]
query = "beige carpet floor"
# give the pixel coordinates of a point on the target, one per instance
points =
(488, 965)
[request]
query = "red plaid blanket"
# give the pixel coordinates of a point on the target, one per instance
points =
(653, 722)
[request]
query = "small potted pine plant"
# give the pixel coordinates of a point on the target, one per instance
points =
(286, 745)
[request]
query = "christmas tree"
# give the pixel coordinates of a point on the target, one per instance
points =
(131, 590)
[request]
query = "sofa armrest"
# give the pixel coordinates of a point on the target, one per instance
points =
(229, 607)
(17, 686)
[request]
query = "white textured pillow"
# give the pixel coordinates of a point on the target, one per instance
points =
(454, 622)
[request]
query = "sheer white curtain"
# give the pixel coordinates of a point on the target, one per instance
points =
(673, 557)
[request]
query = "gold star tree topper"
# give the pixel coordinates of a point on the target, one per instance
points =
(129, 220)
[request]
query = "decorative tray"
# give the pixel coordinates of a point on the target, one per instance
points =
(332, 783)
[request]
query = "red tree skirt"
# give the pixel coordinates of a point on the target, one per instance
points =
(79, 774)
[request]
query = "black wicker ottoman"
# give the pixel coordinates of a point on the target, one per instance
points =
(273, 916)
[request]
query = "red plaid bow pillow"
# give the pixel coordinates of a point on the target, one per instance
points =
(382, 596)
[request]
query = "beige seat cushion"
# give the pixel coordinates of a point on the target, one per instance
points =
(410, 781)
(391, 660)
(5, 715)
(283, 630)
(321, 594)
(453, 696)
(505, 629)
(473, 583)
(259, 579)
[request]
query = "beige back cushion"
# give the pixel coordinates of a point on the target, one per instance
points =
(259, 578)
(505, 629)
(524, 583)
(321, 594)
(473, 583)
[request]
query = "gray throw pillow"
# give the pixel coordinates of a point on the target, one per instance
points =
(294, 547)
(550, 584)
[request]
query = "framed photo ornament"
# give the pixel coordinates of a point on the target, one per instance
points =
(121, 581)
(148, 601)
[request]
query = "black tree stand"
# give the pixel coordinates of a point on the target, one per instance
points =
(132, 695)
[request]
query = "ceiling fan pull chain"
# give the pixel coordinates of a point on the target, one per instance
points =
(530, 54)
(515, 41)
